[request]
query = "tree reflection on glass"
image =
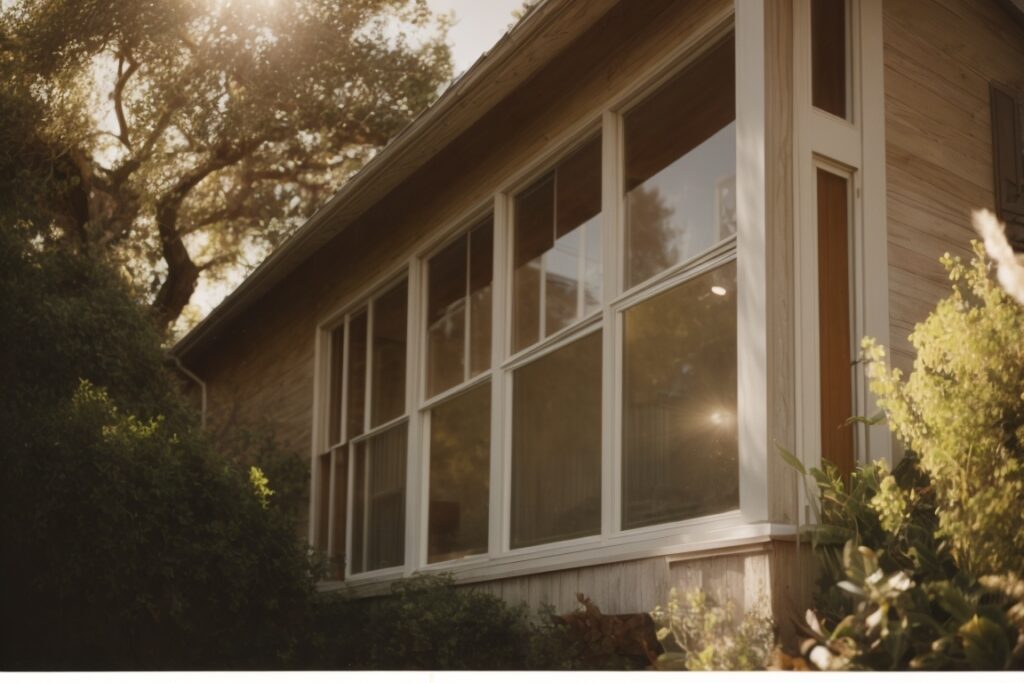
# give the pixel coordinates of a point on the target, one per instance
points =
(557, 247)
(460, 456)
(680, 441)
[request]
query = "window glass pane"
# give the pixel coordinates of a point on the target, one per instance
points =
(378, 514)
(460, 456)
(323, 500)
(556, 445)
(557, 247)
(679, 447)
(336, 362)
(828, 56)
(446, 317)
(534, 235)
(356, 375)
(389, 330)
(680, 150)
(481, 274)
(340, 501)
(357, 562)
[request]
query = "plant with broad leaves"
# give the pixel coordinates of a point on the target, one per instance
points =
(700, 635)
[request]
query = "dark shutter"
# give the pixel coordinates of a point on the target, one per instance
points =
(1008, 158)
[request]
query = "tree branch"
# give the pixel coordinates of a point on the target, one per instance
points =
(122, 80)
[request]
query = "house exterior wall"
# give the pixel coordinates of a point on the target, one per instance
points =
(940, 56)
(261, 368)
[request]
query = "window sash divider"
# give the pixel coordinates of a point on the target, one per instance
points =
(706, 260)
(447, 394)
(378, 430)
(566, 335)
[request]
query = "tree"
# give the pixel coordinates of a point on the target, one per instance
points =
(184, 135)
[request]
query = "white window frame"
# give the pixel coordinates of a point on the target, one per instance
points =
(853, 148)
(749, 522)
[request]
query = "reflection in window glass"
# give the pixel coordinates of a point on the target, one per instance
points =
(460, 455)
(389, 332)
(356, 375)
(556, 445)
(481, 274)
(378, 511)
(829, 52)
(680, 166)
(323, 500)
(446, 317)
(460, 272)
(336, 364)
(679, 445)
(340, 500)
(557, 248)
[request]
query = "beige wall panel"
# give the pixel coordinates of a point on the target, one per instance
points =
(783, 501)
(940, 56)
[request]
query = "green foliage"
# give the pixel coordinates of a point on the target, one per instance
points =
(128, 543)
(922, 566)
(428, 623)
(700, 635)
(255, 444)
(962, 412)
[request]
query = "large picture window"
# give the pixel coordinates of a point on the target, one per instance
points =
(571, 354)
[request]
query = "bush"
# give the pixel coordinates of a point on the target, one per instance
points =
(923, 565)
(127, 542)
(699, 635)
(428, 623)
(962, 411)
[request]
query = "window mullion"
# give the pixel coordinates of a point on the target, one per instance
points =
(501, 302)
(611, 236)
(416, 502)
(467, 312)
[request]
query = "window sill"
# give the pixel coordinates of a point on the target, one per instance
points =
(678, 544)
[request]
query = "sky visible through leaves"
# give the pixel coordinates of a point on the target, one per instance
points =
(478, 24)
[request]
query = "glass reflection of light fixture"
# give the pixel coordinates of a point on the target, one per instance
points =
(719, 418)
(719, 290)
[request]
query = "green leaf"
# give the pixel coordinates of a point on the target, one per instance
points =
(985, 644)
(791, 460)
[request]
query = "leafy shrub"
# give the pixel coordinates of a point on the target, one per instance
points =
(893, 596)
(923, 565)
(428, 623)
(700, 635)
(255, 444)
(962, 411)
(127, 542)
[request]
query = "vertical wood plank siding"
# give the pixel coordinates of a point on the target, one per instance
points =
(939, 58)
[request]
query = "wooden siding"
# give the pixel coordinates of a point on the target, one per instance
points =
(783, 501)
(778, 574)
(940, 56)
